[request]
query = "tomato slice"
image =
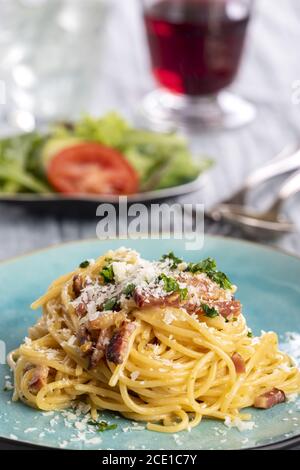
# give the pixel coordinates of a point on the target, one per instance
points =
(91, 168)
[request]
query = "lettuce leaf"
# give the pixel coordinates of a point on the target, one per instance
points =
(161, 160)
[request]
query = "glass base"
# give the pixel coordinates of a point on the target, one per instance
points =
(164, 111)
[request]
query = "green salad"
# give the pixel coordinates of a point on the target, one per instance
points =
(61, 159)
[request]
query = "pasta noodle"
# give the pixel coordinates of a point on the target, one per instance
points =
(171, 352)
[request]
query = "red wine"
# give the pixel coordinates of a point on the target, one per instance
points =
(196, 45)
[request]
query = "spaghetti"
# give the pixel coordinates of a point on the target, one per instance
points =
(163, 342)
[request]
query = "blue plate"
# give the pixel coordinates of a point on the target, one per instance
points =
(269, 289)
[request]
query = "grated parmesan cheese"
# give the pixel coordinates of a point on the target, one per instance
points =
(30, 430)
(177, 440)
(134, 375)
(292, 397)
(169, 317)
(292, 346)
(81, 426)
(8, 385)
(239, 424)
(92, 310)
(63, 444)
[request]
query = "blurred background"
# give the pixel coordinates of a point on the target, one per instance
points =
(60, 58)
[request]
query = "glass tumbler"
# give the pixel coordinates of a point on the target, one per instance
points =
(50, 51)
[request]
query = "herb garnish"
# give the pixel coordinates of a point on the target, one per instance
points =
(175, 260)
(84, 264)
(171, 285)
(102, 425)
(210, 312)
(250, 334)
(204, 266)
(107, 273)
(209, 267)
(111, 304)
(183, 293)
(221, 279)
(129, 290)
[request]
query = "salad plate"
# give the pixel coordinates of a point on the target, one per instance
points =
(97, 160)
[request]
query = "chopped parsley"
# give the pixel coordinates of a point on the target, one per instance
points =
(84, 264)
(210, 312)
(209, 267)
(183, 293)
(102, 425)
(171, 285)
(250, 334)
(204, 266)
(129, 290)
(221, 279)
(175, 261)
(111, 304)
(107, 273)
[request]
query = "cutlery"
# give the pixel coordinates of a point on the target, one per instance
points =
(287, 160)
(269, 224)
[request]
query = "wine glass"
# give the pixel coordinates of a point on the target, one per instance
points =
(195, 50)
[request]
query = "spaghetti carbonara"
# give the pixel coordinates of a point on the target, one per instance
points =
(163, 342)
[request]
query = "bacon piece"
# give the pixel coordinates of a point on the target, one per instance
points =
(83, 335)
(203, 284)
(38, 379)
(269, 399)
(208, 290)
(81, 310)
(117, 347)
(105, 320)
(102, 342)
(226, 308)
(77, 285)
(239, 363)
(147, 300)
(143, 299)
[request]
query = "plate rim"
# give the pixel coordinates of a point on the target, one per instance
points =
(141, 236)
(282, 444)
(287, 443)
(155, 194)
